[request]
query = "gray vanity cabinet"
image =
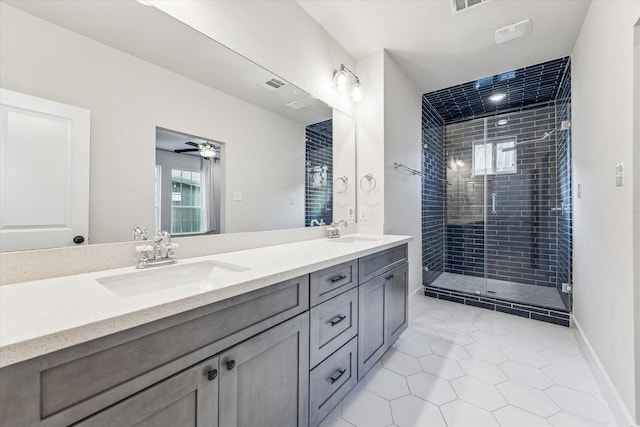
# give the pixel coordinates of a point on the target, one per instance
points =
(382, 304)
(264, 381)
(189, 398)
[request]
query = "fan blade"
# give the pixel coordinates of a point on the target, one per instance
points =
(186, 150)
(193, 144)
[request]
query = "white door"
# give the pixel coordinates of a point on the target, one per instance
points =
(44, 173)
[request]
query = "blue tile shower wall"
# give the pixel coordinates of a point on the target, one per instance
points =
(319, 172)
(521, 237)
(432, 193)
(565, 226)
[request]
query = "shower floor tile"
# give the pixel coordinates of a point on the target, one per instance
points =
(460, 389)
(510, 291)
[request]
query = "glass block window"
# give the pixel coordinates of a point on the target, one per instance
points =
(496, 157)
(186, 202)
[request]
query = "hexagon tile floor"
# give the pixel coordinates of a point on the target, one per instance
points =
(462, 366)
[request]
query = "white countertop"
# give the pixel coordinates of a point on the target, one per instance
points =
(43, 316)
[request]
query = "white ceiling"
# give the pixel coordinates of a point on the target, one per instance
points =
(438, 49)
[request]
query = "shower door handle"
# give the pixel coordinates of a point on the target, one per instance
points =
(493, 203)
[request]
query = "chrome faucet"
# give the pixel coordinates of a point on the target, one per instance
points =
(333, 231)
(162, 251)
(315, 222)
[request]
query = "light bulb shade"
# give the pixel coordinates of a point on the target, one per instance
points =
(356, 92)
(207, 150)
(341, 80)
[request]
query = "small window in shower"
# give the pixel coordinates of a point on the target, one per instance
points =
(495, 157)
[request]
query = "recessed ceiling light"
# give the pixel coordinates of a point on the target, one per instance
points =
(497, 97)
(502, 122)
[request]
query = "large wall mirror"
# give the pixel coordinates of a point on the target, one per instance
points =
(140, 73)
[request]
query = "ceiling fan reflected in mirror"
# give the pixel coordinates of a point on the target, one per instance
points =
(206, 149)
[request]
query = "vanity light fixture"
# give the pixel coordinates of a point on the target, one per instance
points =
(497, 97)
(341, 80)
(207, 150)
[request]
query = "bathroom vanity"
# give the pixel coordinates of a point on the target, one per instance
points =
(279, 343)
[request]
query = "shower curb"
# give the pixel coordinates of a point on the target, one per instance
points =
(561, 318)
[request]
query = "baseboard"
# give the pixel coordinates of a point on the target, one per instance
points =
(616, 405)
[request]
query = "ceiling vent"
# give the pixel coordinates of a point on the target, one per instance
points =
(458, 6)
(513, 31)
(296, 105)
(273, 84)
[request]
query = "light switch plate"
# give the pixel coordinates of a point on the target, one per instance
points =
(237, 195)
(350, 213)
(620, 174)
(363, 213)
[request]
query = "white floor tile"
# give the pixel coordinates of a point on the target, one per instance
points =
(478, 392)
(411, 411)
(385, 383)
(565, 419)
(463, 414)
(411, 346)
(485, 371)
(449, 350)
(431, 388)
(366, 409)
(572, 378)
(340, 422)
(579, 403)
(488, 338)
(525, 374)
(528, 398)
(533, 355)
(510, 416)
(455, 337)
(441, 367)
(526, 356)
(401, 363)
(486, 352)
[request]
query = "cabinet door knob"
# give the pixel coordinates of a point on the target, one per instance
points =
(212, 374)
(231, 364)
(389, 277)
(336, 375)
(338, 278)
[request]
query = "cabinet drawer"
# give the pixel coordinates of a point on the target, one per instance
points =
(89, 380)
(378, 263)
(332, 324)
(332, 281)
(331, 380)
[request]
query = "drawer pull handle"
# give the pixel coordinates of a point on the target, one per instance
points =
(337, 319)
(336, 375)
(231, 364)
(213, 373)
(338, 278)
(389, 277)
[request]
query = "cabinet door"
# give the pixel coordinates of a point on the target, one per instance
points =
(396, 303)
(189, 398)
(371, 324)
(265, 380)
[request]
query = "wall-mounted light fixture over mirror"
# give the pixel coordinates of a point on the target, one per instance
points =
(151, 71)
(342, 82)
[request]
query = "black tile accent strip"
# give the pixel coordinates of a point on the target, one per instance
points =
(496, 304)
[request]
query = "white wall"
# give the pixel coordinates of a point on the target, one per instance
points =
(278, 35)
(370, 141)
(128, 98)
(602, 109)
(403, 144)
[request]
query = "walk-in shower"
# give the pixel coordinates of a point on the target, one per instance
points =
(497, 192)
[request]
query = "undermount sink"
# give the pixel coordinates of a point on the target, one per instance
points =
(142, 282)
(356, 239)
